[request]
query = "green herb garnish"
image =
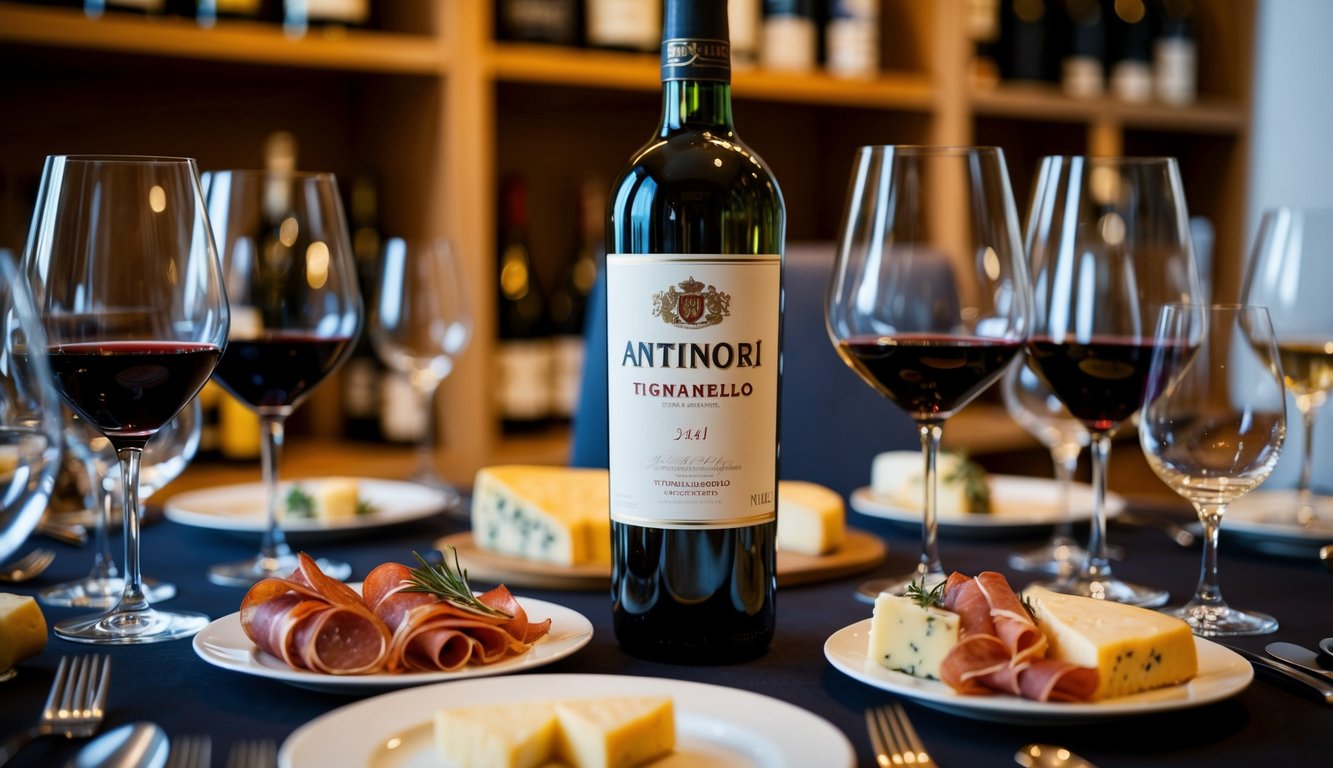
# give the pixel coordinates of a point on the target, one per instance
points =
(300, 503)
(926, 598)
(973, 478)
(363, 507)
(448, 584)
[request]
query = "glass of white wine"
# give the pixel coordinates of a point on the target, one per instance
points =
(1212, 428)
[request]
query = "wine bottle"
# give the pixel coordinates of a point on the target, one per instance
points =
(790, 36)
(1131, 59)
(524, 354)
(1083, 68)
(627, 25)
(538, 21)
(851, 38)
(569, 300)
(696, 229)
(1175, 56)
(1025, 34)
(363, 373)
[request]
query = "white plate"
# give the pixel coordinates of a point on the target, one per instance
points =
(240, 508)
(1222, 673)
(223, 644)
(1265, 520)
(1018, 506)
(716, 727)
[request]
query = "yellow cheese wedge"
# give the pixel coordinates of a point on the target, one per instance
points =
(1133, 649)
(518, 735)
(811, 518)
(22, 629)
(615, 732)
(551, 514)
(910, 639)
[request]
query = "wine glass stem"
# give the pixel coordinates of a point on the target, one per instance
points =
(426, 446)
(1305, 499)
(1065, 458)
(104, 563)
(1209, 590)
(930, 568)
(275, 543)
(132, 598)
(1099, 562)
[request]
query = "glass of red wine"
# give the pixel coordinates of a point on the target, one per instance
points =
(296, 312)
(1109, 243)
(929, 298)
(129, 287)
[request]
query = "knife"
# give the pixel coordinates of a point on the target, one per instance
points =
(1290, 671)
(1301, 657)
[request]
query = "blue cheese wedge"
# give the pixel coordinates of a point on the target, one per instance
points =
(910, 639)
(1133, 649)
(899, 478)
(811, 518)
(549, 514)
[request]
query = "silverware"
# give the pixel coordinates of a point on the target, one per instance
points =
(893, 737)
(1302, 657)
(259, 753)
(1049, 756)
(74, 706)
(1326, 554)
(73, 535)
(1290, 671)
(190, 752)
(27, 566)
(1326, 646)
(134, 745)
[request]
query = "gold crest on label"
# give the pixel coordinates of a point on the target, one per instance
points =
(689, 304)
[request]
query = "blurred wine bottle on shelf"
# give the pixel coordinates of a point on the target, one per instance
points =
(1083, 67)
(299, 16)
(627, 25)
(744, 17)
(1131, 37)
(401, 419)
(539, 21)
(209, 12)
(95, 8)
(1175, 53)
(1025, 34)
(523, 359)
(851, 38)
(983, 32)
(569, 300)
(363, 373)
(790, 36)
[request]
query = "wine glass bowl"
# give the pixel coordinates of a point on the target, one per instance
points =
(129, 289)
(1108, 239)
(287, 259)
(927, 313)
(1212, 428)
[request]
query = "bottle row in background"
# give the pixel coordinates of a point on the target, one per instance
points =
(1135, 50)
(295, 16)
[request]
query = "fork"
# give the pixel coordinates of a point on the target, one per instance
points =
(893, 737)
(259, 753)
(190, 752)
(27, 566)
(74, 706)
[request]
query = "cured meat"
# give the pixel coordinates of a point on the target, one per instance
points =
(1001, 649)
(430, 634)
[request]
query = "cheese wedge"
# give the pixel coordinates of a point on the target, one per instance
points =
(550, 514)
(910, 639)
(501, 736)
(1133, 649)
(22, 629)
(615, 732)
(899, 477)
(811, 518)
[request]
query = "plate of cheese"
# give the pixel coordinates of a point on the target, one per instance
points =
(972, 503)
(568, 719)
(325, 507)
(549, 527)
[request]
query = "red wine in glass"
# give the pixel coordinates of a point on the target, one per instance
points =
(279, 368)
(928, 375)
(1101, 381)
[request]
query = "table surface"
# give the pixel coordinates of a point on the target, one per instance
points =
(167, 683)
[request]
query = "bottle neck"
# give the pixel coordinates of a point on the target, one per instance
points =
(695, 104)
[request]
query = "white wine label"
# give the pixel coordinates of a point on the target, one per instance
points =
(692, 358)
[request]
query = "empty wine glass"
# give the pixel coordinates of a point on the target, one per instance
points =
(927, 311)
(1212, 427)
(287, 259)
(420, 324)
(1038, 411)
(164, 457)
(1289, 274)
(29, 415)
(129, 288)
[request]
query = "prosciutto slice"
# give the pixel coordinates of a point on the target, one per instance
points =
(1001, 649)
(430, 634)
(311, 621)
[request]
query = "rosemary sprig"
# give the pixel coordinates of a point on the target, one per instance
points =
(973, 478)
(926, 598)
(449, 584)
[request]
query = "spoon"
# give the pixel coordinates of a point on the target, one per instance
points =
(1326, 646)
(1049, 756)
(134, 745)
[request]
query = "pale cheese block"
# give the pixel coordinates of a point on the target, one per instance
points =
(1133, 649)
(335, 498)
(615, 732)
(811, 518)
(520, 735)
(899, 477)
(22, 629)
(555, 515)
(909, 638)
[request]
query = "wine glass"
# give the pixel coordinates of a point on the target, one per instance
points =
(296, 310)
(1038, 411)
(926, 303)
(29, 415)
(1288, 273)
(1109, 244)
(164, 457)
(1212, 427)
(130, 292)
(420, 324)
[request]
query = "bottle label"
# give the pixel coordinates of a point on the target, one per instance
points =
(524, 390)
(692, 357)
(694, 59)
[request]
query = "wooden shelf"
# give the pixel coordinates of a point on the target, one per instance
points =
(1044, 104)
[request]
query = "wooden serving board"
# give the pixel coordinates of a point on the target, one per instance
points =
(860, 552)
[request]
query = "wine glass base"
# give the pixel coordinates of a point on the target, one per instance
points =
(1053, 558)
(1108, 587)
(101, 593)
(248, 572)
(131, 627)
(870, 589)
(1212, 620)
